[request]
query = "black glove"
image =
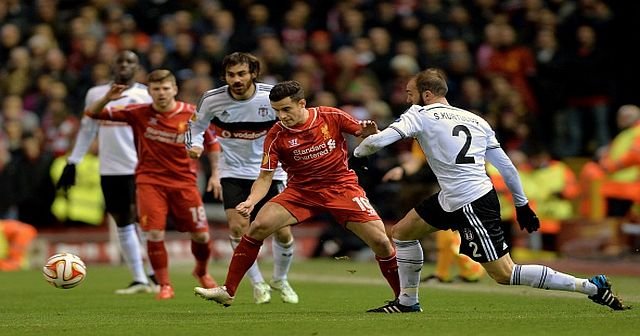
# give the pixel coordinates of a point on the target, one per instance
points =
(527, 219)
(68, 177)
(359, 164)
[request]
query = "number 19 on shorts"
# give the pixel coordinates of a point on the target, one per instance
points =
(364, 204)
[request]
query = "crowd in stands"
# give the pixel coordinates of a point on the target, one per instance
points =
(544, 73)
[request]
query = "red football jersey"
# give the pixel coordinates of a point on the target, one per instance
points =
(162, 157)
(315, 153)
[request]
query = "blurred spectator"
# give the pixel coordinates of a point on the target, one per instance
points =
(212, 49)
(515, 62)
(382, 53)
(432, 51)
(623, 181)
(508, 114)
(320, 49)
(549, 84)
(403, 68)
(588, 95)
(16, 77)
(472, 96)
(294, 34)
(83, 204)
(12, 109)
(179, 60)
(459, 26)
(275, 58)
(459, 65)
(31, 185)
(557, 189)
(60, 127)
(10, 37)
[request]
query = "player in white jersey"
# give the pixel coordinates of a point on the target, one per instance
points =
(457, 143)
(241, 114)
(118, 160)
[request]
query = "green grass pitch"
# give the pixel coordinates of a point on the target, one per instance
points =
(334, 295)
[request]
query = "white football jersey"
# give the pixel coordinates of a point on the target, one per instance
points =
(117, 151)
(455, 142)
(240, 126)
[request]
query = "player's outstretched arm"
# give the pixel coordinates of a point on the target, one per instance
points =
(259, 190)
(499, 159)
(377, 141)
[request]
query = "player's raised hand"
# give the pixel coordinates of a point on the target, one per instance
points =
(245, 208)
(369, 127)
(194, 152)
(115, 91)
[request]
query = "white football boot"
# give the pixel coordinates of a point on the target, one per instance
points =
(287, 294)
(217, 294)
(261, 293)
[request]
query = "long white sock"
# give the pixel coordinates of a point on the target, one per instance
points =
(538, 276)
(142, 237)
(410, 260)
(282, 258)
(130, 249)
(254, 274)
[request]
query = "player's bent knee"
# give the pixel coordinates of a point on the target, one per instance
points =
(260, 230)
(236, 231)
(381, 247)
(200, 237)
(284, 235)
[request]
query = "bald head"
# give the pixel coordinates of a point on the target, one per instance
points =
(627, 116)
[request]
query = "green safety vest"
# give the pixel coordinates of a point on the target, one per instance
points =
(619, 147)
(550, 180)
(84, 201)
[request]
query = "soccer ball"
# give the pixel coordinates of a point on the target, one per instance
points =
(64, 270)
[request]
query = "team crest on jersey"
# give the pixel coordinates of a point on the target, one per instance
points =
(263, 111)
(293, 142)
(153, 121)
(325, 131)
(468, 234)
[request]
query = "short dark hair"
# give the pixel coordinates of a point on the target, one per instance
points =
(161, 75)
(286, 89)
(434, 80)
(241, 58)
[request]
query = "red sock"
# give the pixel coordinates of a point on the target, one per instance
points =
(244, 256)
(159, 261)
(389, 268)
(201, 251)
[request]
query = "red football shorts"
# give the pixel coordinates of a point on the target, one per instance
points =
(346, 203)
(184, 205)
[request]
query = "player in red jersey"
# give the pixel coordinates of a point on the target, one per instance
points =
(165, 175)
(309, 144)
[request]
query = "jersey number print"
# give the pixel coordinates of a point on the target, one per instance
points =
(462, 158)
